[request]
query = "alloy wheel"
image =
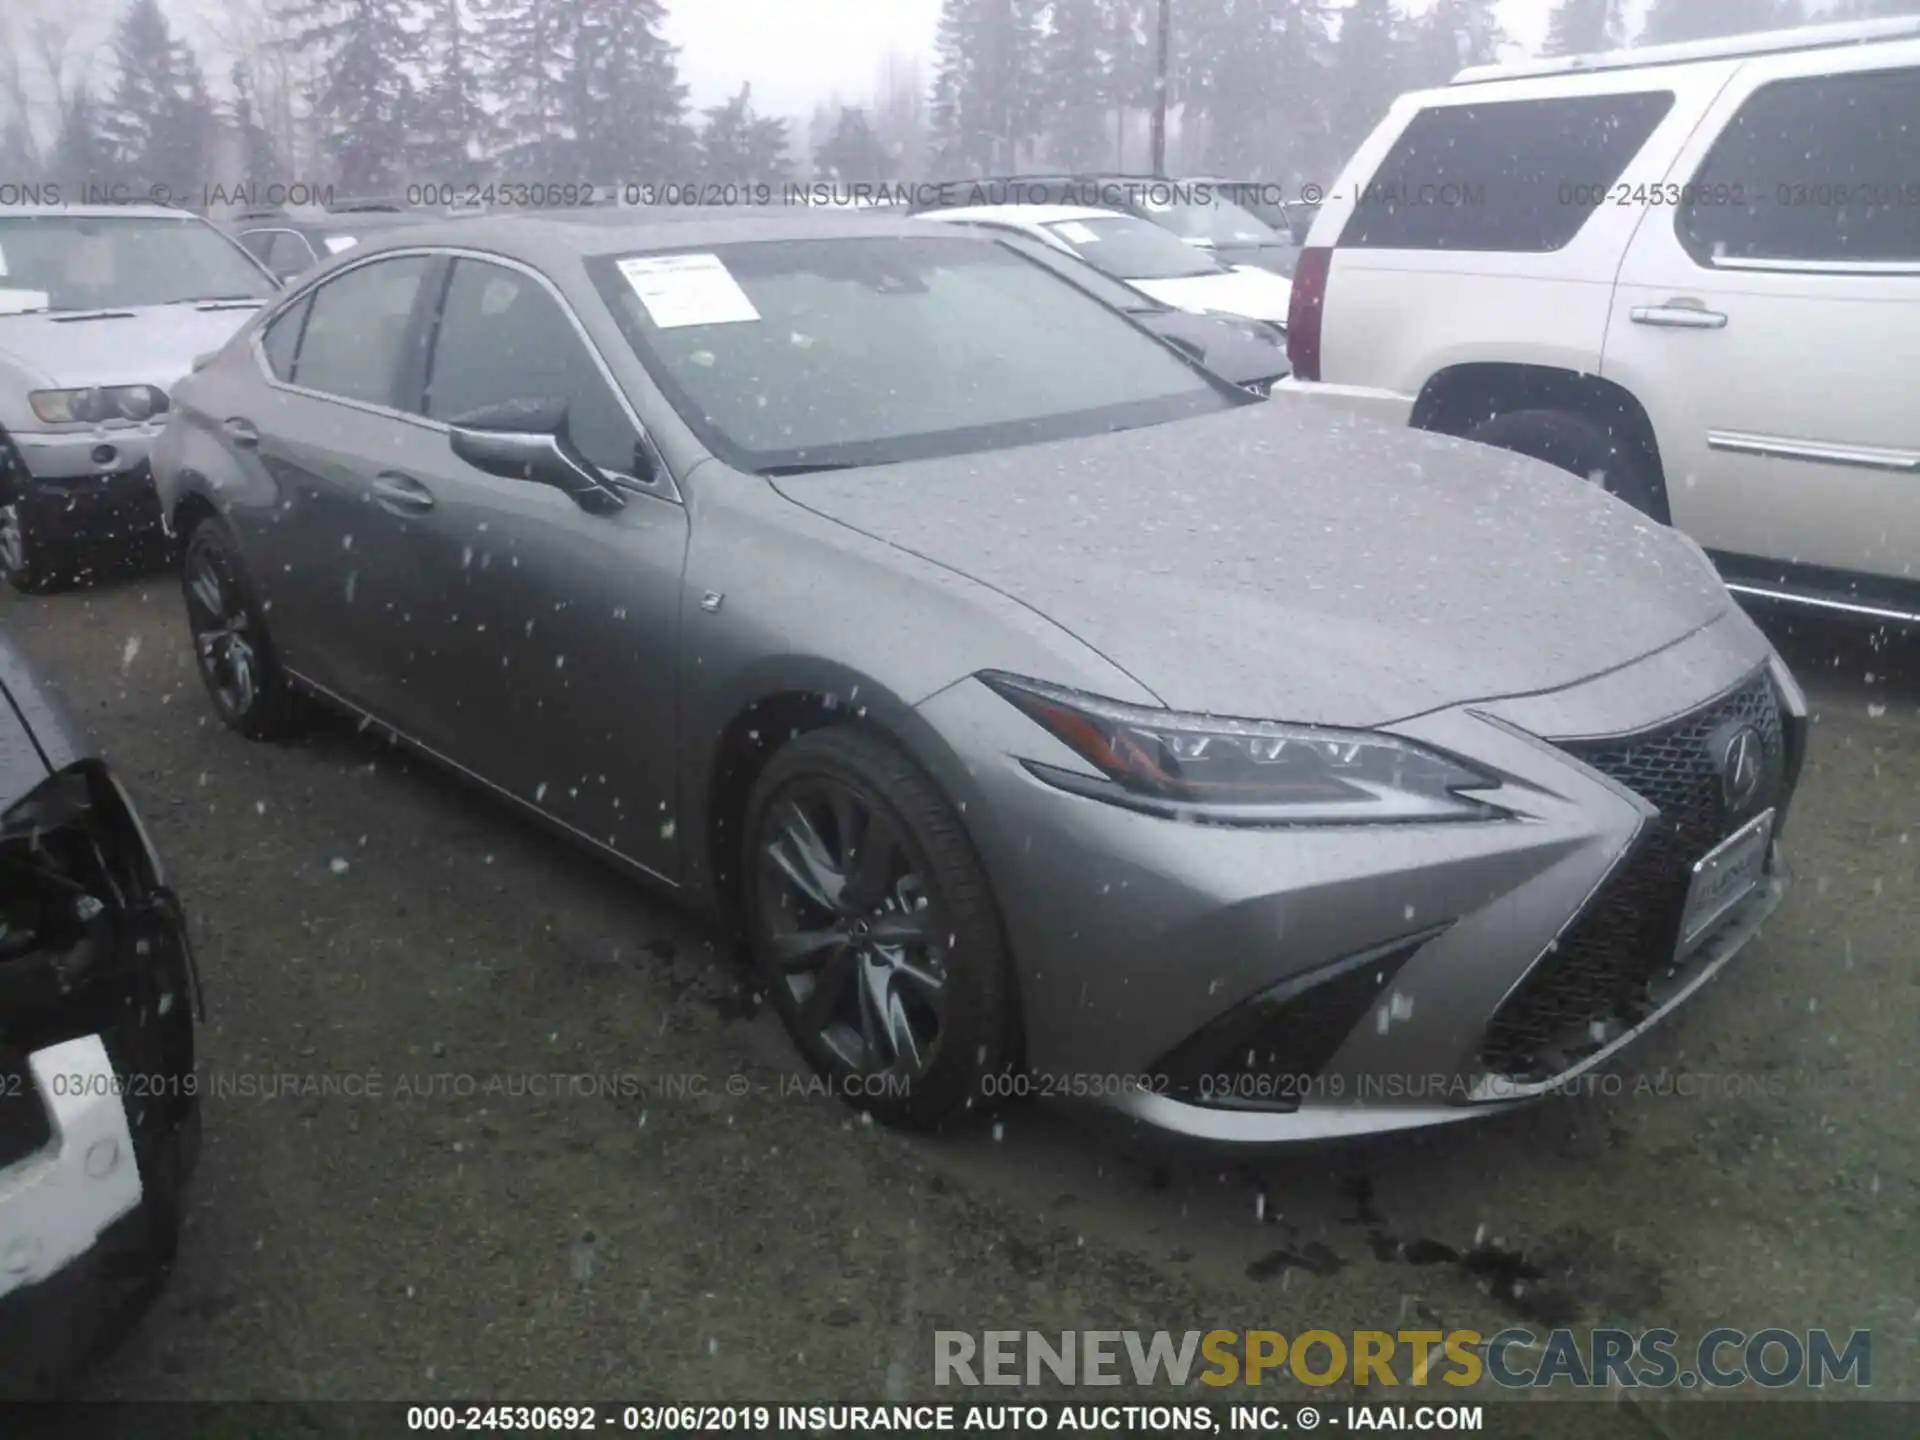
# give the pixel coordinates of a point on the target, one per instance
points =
(853, 930)
(224, 639)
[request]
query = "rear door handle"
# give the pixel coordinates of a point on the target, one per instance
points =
(1680, 315)
(401, 494)
(243, 433)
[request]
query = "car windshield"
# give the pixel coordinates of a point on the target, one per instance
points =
(92, 263)
(1132, 249)
(1215, 220)
(827, 353)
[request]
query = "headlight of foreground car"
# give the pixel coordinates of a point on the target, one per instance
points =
(97, 403)
(1245, 772)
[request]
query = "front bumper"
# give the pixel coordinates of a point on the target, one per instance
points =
(89, 487)
(1330, 981)
(98, 1125)
(1387, 406)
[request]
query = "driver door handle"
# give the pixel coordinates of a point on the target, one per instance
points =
(401, 494)
(244, 433)
(1680, 315)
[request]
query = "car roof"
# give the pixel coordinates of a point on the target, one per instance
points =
(102, 212)
(559, 235)
(1028, 214)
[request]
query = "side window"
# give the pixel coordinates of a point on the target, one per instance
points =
(356, 341)
(1521, 176)
(1822, 169)
(259, 243)
(281, 343)
(503, 337)
(290, 253)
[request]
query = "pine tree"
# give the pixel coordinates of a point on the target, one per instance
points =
(1453, 35)
(1243, 70)
(1076, 77)
(158, 126)
(1674, 21)
(259, 164)
(365, 105)
(81, 154)
(1584, 27)
(630, 110)
(528, 47)
(986, 88)
(741, 148)
(18, 154)
(853, 154)
(452, 125)
(1369, 69)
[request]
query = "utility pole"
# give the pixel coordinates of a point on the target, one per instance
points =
(1161, 45)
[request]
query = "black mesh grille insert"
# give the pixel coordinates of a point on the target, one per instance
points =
(1602, 965)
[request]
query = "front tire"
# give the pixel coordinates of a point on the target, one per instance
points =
(231, 647)
(1581, 446)
(872, 924)
(30, 562)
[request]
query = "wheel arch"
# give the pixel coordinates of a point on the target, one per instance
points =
(1457, 399)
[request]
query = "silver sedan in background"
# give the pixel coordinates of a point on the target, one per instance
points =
(1048, 714)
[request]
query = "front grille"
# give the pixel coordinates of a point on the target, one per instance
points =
(1599, 972)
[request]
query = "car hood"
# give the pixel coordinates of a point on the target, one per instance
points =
(1255, 293)
(1278, 256)
(1225, 349)
(137, 345)
(1279, 562)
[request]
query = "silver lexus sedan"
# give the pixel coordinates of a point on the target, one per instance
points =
(1049, 716)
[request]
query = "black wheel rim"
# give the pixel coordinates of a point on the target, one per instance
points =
(225, 641)
(852, 929)
(13, 539)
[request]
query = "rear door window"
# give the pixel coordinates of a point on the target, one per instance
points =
(359, 338)
(1514, 175)
(1820, 170)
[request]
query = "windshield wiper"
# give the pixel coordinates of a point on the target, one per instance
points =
(774, 472)
(218, 300)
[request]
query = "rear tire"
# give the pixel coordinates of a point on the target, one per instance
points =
(1581, 446)
(892, 975)
(231, 646)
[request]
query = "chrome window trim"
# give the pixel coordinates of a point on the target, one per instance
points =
(665, 488)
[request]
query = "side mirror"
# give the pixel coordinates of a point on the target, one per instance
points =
(528, 440)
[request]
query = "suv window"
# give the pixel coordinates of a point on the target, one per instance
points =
(281, 343)
(1810, 170)
(356, 340)
(1513, 175)
(502, 337)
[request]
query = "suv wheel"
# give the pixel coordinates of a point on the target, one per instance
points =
(1581, 446)
(28, 562)
(874, 929)
(235, 656)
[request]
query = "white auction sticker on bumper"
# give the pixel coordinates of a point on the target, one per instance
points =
(680, 290)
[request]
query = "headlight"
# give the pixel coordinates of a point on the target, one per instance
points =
(1245, 772)
(97, 403)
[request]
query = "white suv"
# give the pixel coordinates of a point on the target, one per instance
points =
(1691, 272)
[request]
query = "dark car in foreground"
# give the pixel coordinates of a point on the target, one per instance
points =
(102, 310)
(98, 1104)
(1032, 700)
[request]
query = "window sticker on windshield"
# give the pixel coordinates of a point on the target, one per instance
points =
(337, 243)
(1079, 234)
(683, 290)
(3, 264)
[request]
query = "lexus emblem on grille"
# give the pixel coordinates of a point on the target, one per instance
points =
(1740, 767)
